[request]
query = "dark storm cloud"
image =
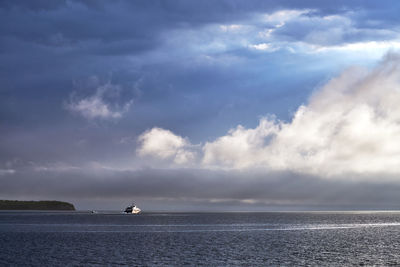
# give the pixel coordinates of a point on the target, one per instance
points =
(140, 24)
(265, 190)
(77, 21)
(33, 5)
(47, 45)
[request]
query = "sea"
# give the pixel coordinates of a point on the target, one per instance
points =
(199, 239)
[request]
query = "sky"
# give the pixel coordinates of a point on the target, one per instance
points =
(201, 105)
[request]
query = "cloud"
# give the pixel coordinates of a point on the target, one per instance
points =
(164, 144)
(240, 147)
(308, 30)
(371, 47)
(350, 125)
(263, 47)
(200, 188)
(6, 171)
(279, 18)
(96, 107)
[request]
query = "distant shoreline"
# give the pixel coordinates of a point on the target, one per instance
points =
(35, 205)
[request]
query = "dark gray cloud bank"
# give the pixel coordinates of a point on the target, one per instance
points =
(80, 81)
(188, 189)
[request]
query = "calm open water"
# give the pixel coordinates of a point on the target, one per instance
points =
(200, 239)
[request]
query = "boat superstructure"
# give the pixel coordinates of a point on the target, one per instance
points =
(132, 209)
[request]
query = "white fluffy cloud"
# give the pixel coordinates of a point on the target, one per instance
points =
(350, 125)
(240, 147)
(164, 144)
(96, 107)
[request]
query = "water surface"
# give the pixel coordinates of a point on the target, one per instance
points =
(199, 239)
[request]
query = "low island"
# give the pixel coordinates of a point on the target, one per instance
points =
(35, 205)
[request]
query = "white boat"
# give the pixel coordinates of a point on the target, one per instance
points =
(132, 209)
